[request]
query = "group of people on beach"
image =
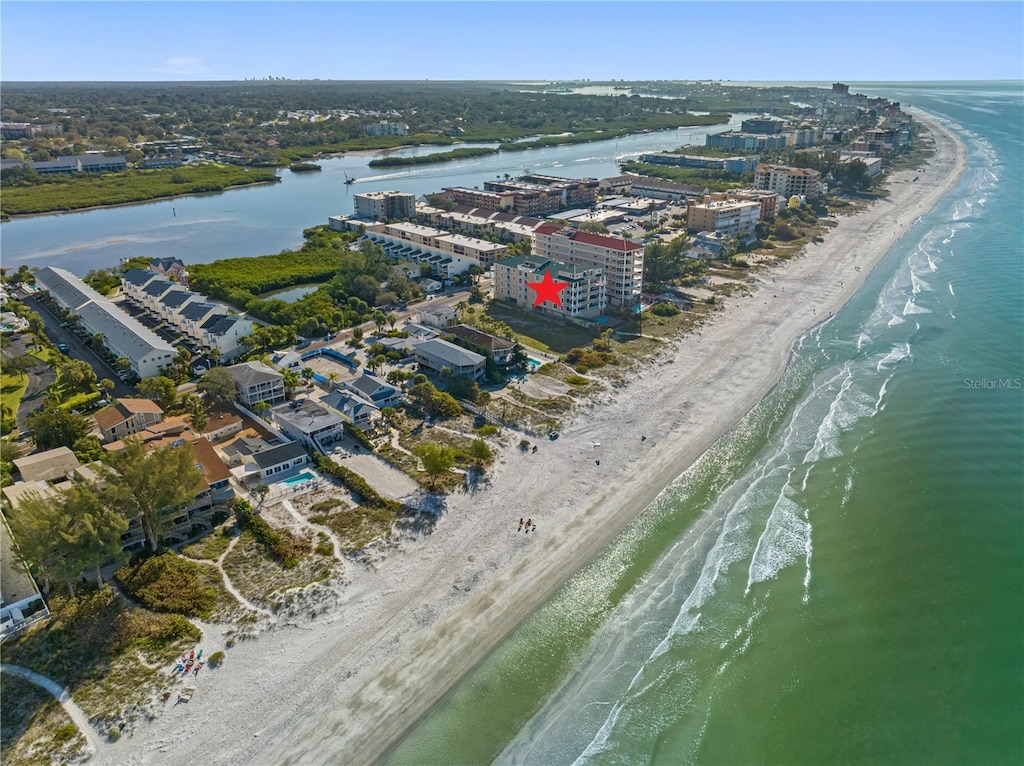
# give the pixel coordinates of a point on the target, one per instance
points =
(530, 526)
(189, 663)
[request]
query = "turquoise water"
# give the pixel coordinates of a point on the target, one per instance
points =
(298, 478)
(841, 578)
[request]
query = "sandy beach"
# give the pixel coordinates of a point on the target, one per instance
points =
(346, 684)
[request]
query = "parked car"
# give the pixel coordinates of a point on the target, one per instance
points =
(62, 347)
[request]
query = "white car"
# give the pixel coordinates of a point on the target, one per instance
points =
(199, 369)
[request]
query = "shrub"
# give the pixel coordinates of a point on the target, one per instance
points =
(665, 309)
(582, 369)
(168, 583)
(487, 430)
(576, 380)
(357, 484)
(479, 450)
(283, 547)
(524, 444)
(216, 659)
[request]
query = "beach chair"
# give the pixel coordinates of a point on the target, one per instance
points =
(185, 694)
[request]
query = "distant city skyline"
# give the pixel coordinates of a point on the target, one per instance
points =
(744, 41)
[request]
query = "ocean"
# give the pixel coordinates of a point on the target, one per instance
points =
(841, 577)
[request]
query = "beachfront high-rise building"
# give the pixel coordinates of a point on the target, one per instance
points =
(385, 205)
(620, 260)
(787, 181)
(735, 218)
(583, 297)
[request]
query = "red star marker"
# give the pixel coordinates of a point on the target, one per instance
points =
(548, 289)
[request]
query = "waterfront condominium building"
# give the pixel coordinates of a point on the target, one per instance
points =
(787, 181)
(734, 218)
(385, 205)
(584, 297)
(620, 260)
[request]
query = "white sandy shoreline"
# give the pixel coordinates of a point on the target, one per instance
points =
(347, 685)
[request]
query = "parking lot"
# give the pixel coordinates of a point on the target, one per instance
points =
(77, 348)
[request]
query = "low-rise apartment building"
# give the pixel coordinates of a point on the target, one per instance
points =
(123, 335)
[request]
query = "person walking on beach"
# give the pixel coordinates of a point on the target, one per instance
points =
(520, 524)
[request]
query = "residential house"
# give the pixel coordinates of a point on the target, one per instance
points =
(438, 354)
(287, 360)
(374, 390)
(127, 417)
(309, 423)
(57, 463)
(437, 315)
(257, 382)
(353, 409)
(501, 349)
(280, 459)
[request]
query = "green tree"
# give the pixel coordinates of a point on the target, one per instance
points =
(151, 486)
(94, 529)
(161, 390)
(106, 386)
(37, 524)
(437, 460)
(218, 385)
(54, 427)
(88, 448)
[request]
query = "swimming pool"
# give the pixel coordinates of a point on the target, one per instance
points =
(531, 362)
(298, 478)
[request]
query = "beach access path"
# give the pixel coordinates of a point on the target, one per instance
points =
(347, 685)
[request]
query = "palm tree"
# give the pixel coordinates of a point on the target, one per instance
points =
(260, 407)
(333, 376)
(215, 355)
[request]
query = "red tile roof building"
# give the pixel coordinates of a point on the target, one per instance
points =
(620, 260)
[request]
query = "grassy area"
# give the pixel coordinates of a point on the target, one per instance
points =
(263, 580)
(35, 730)
(101, 650)
(212, 546)
(357, 527)
(536, 330)
(84, 190)
(12, 390)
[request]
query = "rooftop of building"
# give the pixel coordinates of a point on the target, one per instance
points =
(305, 415)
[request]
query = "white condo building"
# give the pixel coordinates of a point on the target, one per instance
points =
(620, 260)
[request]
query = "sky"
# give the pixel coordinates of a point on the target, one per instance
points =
(479, 40)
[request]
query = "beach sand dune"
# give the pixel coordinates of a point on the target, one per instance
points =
(343, 687)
